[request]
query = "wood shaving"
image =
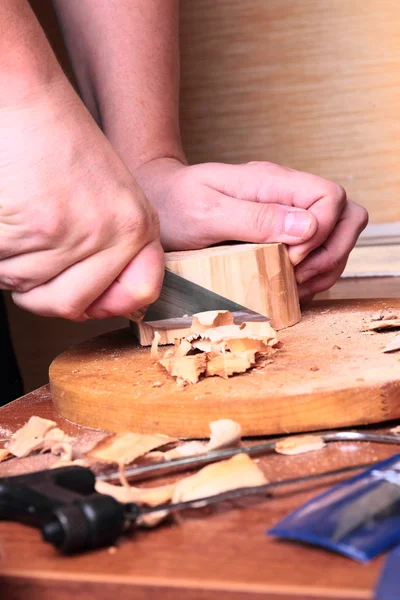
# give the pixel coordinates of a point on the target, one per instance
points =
(4, 454)
(225, 365)
(154, 352)
(392, 323)
(224, 349)
(145, 496)
(151, 496)
(224, 432)
(393, 345)
(183, 348)
(78, 462)
(383, 317)
(30, 437)
(124, 448)
(239, 471)
(193, 448)
(187, 368)
(299, 444)
(153, 519)
(210, 319)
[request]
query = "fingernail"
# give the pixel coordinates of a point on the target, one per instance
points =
(298, 223)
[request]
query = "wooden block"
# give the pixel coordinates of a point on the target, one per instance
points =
(258, 276)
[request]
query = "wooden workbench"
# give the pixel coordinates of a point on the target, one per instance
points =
(223, 554)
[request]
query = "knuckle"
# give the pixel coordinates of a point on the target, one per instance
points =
(338, 194)
(49, 227)
(68, 311)
(331, 262)
(363, 217)
(261, 221)
(142, 224)
(14, 283)
(146, 293)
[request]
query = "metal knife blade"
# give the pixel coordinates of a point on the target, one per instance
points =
(180, 297)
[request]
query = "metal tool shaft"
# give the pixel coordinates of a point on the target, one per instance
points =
(192, 462)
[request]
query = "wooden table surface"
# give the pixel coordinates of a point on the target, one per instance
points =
(223, 554)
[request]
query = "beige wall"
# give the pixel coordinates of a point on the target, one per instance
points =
(313, 84)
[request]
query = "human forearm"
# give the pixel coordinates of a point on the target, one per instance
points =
(26, 59)
(126, 59)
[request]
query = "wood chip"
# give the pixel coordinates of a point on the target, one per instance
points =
(4, 454)
(124, 448)
(193, 448)
(381, 325)
(299, 444)
(183, 348)
(78, 462)
(151, 496)
(393, 345)
(154, 352)
(224, 432)
(210, 319)
(187, 368)
(383, 317)
(146, 496)
(239, 471)
(30, 437)
(225, 365)
(225, 348)
(153, 519)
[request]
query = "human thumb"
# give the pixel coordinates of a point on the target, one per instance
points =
(263, 223)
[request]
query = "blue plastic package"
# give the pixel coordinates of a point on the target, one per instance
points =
(359, 518)
(388, 583)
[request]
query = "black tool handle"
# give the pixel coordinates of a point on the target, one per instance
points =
(64, 505)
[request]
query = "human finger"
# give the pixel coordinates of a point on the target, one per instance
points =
(138, 285)
(336, 249)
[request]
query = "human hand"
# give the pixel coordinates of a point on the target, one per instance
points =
(257, 202)
(78, 237)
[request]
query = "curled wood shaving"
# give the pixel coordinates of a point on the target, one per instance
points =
(183, 348)
(393, 345)
(154, 352)
(124, 448)
(225, 348)
(239, 471)
(225, 365)
(146, 496)
(30, 437)
(299, 444)
(59, 443)
(210, 319)
(187, 368)
(224, 432)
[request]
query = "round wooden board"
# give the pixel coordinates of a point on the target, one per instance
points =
(327, 375)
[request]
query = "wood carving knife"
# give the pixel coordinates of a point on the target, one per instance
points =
(180, 297)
